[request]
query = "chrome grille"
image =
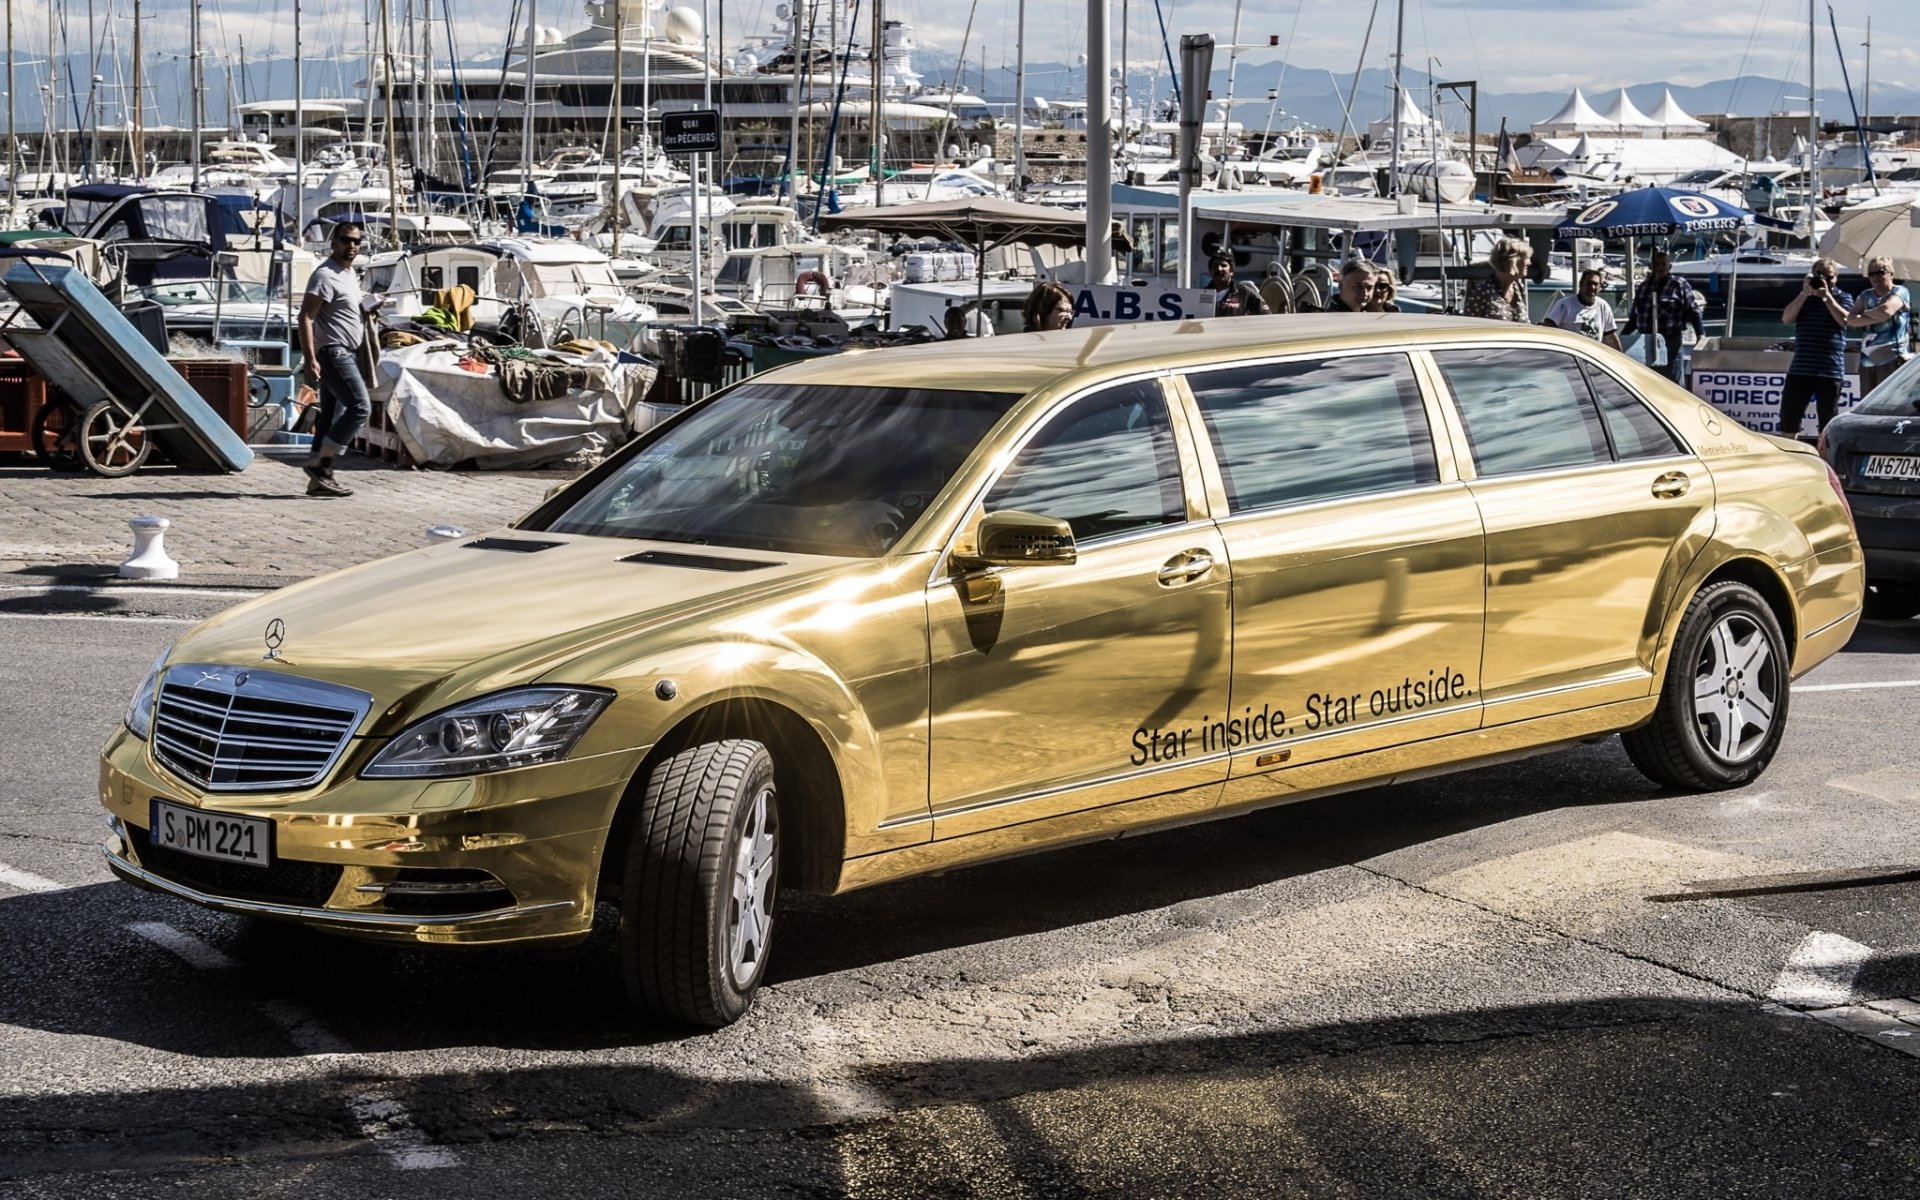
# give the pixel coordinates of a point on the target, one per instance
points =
(239, 729)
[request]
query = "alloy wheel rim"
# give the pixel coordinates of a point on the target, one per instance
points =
(1736, 689)
(750, 909)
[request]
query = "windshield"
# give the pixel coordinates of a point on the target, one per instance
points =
(1897, 396)
(792, 469)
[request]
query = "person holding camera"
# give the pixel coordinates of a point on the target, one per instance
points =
(1818, 371)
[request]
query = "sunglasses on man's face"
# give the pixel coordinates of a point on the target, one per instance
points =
(1879, 274)
(347, 241)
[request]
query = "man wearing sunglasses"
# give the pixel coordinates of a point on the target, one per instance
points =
(1883, 310)
(331, 332)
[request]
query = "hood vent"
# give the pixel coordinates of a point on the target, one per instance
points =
(698, 562)
(516, 545)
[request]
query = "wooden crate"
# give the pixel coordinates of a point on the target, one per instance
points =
(22, 393)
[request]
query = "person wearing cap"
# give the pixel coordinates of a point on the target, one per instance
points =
(1231, 299)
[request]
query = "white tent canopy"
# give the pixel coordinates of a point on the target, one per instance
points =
(1416, 128)
(1624, 115)
(1575, 116)
(1674, 119)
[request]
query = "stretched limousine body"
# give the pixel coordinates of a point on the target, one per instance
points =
(885, 613)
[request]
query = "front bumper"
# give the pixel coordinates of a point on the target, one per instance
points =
(351, 855)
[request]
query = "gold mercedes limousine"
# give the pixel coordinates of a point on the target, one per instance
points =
(886, 613)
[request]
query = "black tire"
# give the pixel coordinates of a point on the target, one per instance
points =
(1892, 601)
(110, 443)
(1723, 704)
(709, 824)
(55, 437)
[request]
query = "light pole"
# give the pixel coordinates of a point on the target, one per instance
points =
(1099, 147)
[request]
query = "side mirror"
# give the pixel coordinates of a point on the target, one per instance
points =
(1013, 538)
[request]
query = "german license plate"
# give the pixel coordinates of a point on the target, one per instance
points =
(221, 836)
(1891, 466)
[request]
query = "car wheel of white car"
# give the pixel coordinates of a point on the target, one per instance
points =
(1723, 705)
(701, 878)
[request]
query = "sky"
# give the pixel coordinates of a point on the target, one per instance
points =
(1509, 45)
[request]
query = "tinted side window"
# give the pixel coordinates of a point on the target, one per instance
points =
(1106, 465)
(1288, 433)
(1631, 426)
(1525, 410)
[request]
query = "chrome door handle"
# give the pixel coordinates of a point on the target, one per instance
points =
(1673, 483)
(1185, 567)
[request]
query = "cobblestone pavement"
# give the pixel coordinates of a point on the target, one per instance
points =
(258, 523)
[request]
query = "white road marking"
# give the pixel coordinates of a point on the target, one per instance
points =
(185, 945)
(1855, 687)
(27, 881)
(383, 1120)
(1820, 972)
(1817, 983)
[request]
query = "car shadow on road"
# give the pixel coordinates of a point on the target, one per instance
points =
(381, 997)
(1618, 1096)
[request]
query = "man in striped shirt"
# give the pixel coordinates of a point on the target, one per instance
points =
(1818, 371)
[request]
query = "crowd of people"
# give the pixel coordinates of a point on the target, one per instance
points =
(1664, 308)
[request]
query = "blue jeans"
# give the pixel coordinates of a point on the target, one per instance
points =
(344, 405)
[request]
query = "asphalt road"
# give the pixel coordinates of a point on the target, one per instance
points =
(1538, 980)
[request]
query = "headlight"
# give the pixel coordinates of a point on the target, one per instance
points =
(516, 728)
(140, 713)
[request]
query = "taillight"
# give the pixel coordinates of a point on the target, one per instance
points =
(1833, 477)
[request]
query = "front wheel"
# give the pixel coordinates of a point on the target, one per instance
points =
(1723, 705)
(701, 876)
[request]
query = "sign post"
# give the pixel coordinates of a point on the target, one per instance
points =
(693, 134)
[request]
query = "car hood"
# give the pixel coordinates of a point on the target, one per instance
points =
(484, 613)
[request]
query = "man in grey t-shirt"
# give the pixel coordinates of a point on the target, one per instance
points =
(331, 332)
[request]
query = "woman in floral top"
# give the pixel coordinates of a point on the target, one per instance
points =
(1503, 297)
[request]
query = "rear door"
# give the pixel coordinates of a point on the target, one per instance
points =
(1592, 509)
(1357, 562)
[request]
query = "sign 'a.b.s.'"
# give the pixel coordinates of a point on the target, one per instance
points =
(1108, 304)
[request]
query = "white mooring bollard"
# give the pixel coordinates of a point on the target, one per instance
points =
(149, 559)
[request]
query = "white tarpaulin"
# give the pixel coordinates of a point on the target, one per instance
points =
(445, 414)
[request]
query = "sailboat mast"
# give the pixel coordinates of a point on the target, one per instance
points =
(1399, 52)
(1019, 97)
(1813, 124)
(878, 131)
(197, 83)
(526, 101)
(299, 140)
(386, 74)
(793, 118)
(619, 112)
(13, 142)
(139, 122)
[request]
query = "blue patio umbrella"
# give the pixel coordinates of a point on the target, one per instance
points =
(1655, 212)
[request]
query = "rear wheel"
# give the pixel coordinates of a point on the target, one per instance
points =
(1723, 705)
(701, 877)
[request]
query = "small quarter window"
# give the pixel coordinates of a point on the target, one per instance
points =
(1524, 410)
(1632, 428)
(1295, 432)
(1106, 465)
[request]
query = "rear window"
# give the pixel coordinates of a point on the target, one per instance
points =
(1296, 432)
(1897, 396)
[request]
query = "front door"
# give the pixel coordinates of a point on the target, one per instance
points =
(1059, 688)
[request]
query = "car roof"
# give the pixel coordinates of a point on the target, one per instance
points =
(1027, 361)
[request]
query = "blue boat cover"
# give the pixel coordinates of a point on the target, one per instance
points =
(87, 349)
